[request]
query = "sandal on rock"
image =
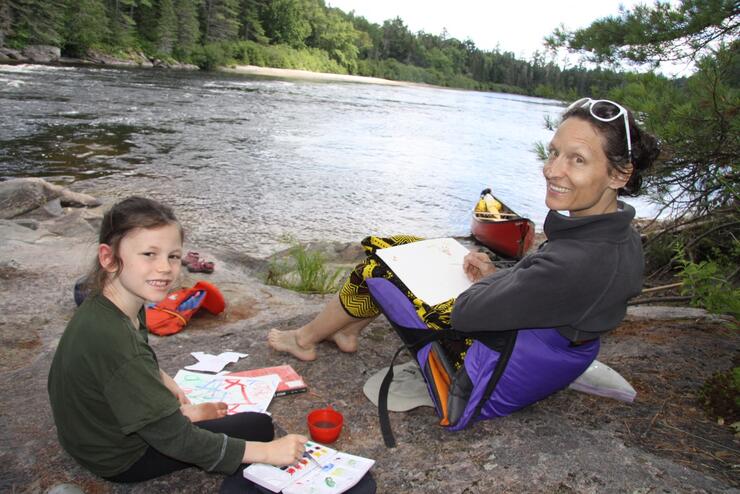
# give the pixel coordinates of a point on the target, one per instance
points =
(190, 258)
(201, 266)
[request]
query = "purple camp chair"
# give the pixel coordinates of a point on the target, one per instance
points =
(502, 371)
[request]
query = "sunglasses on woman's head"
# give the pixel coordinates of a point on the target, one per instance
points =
(606, 111)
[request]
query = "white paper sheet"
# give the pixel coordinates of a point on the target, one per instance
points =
(431, 269)
(214, 363)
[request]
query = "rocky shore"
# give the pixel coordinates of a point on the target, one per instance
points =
(52, 54)
(568, 443)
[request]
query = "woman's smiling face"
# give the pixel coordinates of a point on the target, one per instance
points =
(579, 177)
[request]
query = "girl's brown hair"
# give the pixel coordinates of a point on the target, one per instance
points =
(126, 215)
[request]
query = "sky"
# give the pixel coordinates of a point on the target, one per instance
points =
(515, 26)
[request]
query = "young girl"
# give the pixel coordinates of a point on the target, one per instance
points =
(117, 413)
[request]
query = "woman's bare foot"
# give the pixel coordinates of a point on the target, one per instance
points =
(347, 339)
(204, 411)
(285, 341)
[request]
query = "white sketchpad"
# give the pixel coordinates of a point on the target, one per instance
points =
(601, 380)
(432, 269)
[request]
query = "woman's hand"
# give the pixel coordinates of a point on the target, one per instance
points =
(477, 265)
(280, 452)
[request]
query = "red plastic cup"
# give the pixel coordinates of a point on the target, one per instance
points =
(325, 425)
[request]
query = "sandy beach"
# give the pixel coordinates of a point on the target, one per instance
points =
(316, 76)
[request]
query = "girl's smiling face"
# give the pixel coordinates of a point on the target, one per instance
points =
(578, 174)
(148, 268)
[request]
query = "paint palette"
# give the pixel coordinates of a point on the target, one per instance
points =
(277, 478)
(322, 454)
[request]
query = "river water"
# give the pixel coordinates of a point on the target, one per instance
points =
(253, 164)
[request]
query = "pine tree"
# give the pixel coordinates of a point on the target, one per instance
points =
(84, 26)
(121, 22)
(249, 19)
(188, 30)
(220, 20)
(6, 21)
(33, 21)
(166, 30)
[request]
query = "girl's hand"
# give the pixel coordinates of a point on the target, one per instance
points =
(205, 411)
(280, 452)
(477, 265)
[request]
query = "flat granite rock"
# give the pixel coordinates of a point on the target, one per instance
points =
(568, 443)
(24, 195)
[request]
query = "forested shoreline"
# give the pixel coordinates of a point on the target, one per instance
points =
(291, 34)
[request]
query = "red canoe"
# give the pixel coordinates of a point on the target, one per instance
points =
(511, 236)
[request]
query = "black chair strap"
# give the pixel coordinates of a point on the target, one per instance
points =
(385, 421)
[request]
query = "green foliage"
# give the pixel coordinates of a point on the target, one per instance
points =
(121, 24)
(83, 29)
(282, 56)
(251, 23)
(397, 42)
(699, 127)
(284, 22)
(166, 30)
(219, 20)
(540, 150)
(392, 69)
(306, 273)
(188, 30)
(210, 56)
(32, 21)
(337, 37)
(655, 33)
(708, 283)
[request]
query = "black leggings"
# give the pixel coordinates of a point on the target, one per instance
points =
(248, 426)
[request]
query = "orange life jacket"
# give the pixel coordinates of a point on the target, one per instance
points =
(171, 314)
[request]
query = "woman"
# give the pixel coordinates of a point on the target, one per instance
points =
(578, 282)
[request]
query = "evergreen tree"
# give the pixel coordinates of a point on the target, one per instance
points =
(33, 21)
(84, 26)
(250, 24)
(6, 21)
(188, 30)
(397, 41)
(166, 31)
(121, 25)
(654, 34)
(220, 20)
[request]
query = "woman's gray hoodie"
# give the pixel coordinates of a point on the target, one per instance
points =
(578, 282)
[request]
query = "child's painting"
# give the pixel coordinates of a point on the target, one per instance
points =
(241, 394)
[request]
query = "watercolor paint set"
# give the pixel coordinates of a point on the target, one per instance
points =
(322, 470)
